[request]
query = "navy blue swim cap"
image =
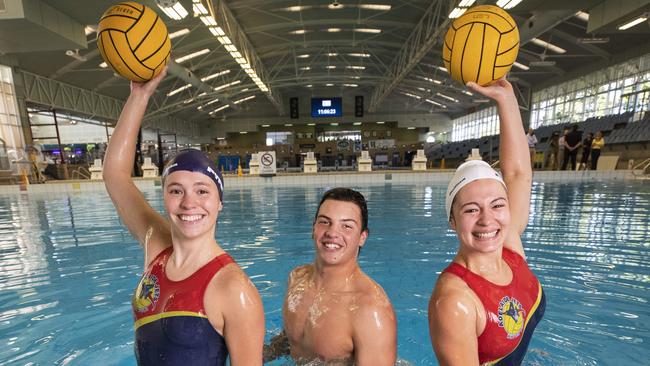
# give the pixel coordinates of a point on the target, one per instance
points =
(194, 161)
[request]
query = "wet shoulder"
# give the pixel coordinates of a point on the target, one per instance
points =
(369, 293)
(300, 273)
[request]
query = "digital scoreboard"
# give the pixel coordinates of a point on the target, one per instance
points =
(326, 107)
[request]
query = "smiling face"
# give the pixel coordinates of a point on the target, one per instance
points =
(192, 202)
(337, 232)
(480, 215)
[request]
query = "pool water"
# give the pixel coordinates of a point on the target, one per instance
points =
(68, 268)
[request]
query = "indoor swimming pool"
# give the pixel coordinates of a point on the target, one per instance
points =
(68, 267)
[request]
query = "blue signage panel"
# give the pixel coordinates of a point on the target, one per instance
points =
(326, 107)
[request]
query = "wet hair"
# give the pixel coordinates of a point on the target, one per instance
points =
(347, 195)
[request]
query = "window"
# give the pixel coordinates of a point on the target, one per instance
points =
(279, 138)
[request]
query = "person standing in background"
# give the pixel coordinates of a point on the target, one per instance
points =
(596, 146)
(586, 150)
(562, 148)
(572, 142)
(532, 141)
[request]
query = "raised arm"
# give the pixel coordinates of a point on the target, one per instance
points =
(514, 158)
(144, 223)
(375, 335)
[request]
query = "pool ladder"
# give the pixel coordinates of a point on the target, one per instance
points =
(639, 170)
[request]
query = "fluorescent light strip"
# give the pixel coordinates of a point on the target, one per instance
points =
(192, 55)
(410, 128)
(447, 97)
(220, 108)
(303, 56)
(468, 92)
(351, 85)
(457, 12)
(431, 80)
(176, 12)
(379, 7)
(333, 30)
(359, 54)
(199, 9)
(354, 67)
(328, 84)
(357, 123)
(411, 95)
(466, 3)
(632, 23)
(330, 67)
(179, 33)
(582, 16)
(435, 103)
(297, 8)
(521, 66)
(305, 68)
(210, 77)
(208, 21)
(508, 4)
(441, 68)
(244, 99)
(332, 54)
(227, 85)
(288, 124)
(367, 30)
(549, 46)
(298, 31)
(174, 92)
(103, 65)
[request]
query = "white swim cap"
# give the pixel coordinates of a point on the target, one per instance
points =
(466, 173)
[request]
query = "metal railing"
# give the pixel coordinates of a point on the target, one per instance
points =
(80, 173)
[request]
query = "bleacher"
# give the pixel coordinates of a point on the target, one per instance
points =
(617, 129)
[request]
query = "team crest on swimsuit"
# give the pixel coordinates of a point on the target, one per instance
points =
(146, 294)
(511, 316)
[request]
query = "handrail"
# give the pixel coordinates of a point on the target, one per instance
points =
(81, 172)
(642, 165)
(495, 164)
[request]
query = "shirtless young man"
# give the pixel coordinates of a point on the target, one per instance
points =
(334, 314)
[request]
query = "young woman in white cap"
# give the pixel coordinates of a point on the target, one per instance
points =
(193, 305)
(486, 304)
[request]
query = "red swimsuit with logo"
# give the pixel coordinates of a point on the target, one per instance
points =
(512, 311)
(171, 325)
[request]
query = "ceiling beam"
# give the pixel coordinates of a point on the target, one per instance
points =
(422, 38)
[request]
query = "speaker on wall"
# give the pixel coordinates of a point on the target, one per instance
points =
(293, 107)
(358, 106)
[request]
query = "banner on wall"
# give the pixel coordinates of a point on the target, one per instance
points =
(268, 166)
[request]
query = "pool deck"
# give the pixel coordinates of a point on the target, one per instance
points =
(331, 179)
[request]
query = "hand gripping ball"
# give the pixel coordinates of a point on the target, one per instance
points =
(481, 45)
(133, 40)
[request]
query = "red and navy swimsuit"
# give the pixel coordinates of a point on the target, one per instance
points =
(171, 326)
(512, 311)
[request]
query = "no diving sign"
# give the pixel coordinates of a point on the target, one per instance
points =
(267, 162)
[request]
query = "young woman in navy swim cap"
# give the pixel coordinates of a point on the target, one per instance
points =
(193, 305)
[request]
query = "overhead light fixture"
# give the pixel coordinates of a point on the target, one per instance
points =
(368, 30)
(582, 16)
(333, 30)
(438, 82)
(593, 40)
(354, 67)
(305, 68)
(457, 12)
(288, 124)
(442, 68)
(435, 103)
(448, 97)
(332, 54)
(303, 56)
(298, 31)
(466, 3)
(520, 66)
(75, 55)
(411, 95)
(548, 46)
(176, 91)
(359, 54)
(334, 124)
(210, 77)
(380, 122)
(311, 124)
(330, 67)
(634, 22)
(335, 5)
(198, 8)
(192, 55)
(357, 123)
(227, 85)
(175, 12)
(351, 85)
(243, 132)
(308, 85)
(179, 33)
(103, 65)
(208, 21)
(468, 92)
(328, 84)
(242, 100)
(508, 4)
(90, 30)
(354, 77)
(379, 7)
(410, 128)
(266, 125)
(220, 108)
(542, 63)
(296, 8)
